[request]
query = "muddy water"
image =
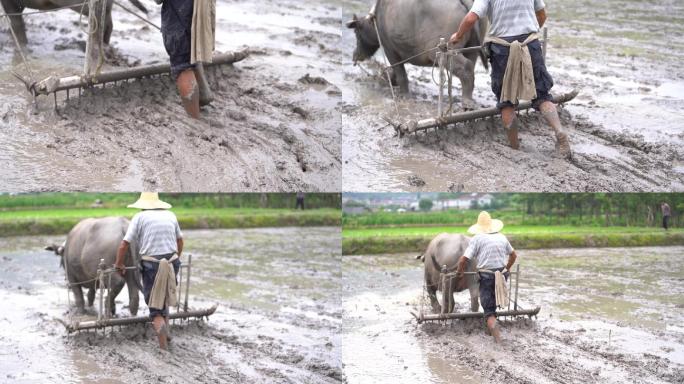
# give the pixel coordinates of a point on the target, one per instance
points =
(608, 315)
(266, 130)
(278, 318)
(625, 125)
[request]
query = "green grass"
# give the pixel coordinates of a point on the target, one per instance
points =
(416, 239)
(60, 221)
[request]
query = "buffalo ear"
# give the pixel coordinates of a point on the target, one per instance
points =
(353, 22)
(51, 248)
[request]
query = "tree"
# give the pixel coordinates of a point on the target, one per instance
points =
(425, 205)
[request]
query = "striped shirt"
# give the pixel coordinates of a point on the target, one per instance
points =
(155, 232)
(490, 250)
(509, 18)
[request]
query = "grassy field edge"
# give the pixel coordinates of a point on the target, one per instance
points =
(47, 224)
(403, 244)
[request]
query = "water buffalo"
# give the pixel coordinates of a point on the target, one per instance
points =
(18, 6)
(409, 27)
(88, 242)
(446, 249)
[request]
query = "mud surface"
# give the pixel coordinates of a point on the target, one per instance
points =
(625, 126)
(265, 131)
(610, 315)
(278, 318)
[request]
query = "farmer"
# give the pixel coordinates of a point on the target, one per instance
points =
(494, 255)
(187, 30)
(300, 201)
(522, 74)
(667, 212)
(159, 241)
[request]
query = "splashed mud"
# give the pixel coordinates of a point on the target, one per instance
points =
(608, 315)
(625, 126)
(266, 130)
(278, 318)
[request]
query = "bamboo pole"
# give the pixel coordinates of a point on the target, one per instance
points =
(97, 324)
(54, 84)
(413, 126)
(473, 315)
(95, 37)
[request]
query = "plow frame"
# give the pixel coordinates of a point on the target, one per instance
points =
(92, 76)
(446, 117)
(104, 318)
(447, 296)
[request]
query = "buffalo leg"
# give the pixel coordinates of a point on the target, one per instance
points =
(108, 23)
(91, 296)
(16, 22)
(401, 77)
(117, 286)
(134, 299)
(78, 297)
(464, 69)
(474, 297)
(432, 293)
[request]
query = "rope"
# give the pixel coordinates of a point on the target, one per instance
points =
(136, 15)
(384, 56)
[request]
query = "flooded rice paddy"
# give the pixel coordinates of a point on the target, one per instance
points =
(274, 124)
(278, 318)
(625, 58)
(611, 315)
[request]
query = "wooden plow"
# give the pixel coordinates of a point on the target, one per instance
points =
(104, 319)
(92, 75)
(446, 117)
(447, 297)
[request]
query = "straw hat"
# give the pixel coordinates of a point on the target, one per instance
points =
(150, 200)
(485, 224)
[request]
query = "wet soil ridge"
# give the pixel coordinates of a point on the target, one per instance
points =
(277, 321)
(622, 125)
(265, 131)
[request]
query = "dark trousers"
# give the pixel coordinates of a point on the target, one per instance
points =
(666, 221)
(488, 293)
(176, 30)
(300, 203)
(498, 57)
(149, 272)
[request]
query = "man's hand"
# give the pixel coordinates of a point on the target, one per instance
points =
(121, 269)
(455, 38)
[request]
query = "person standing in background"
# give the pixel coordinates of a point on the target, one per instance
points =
(667, 212)
(300, 201)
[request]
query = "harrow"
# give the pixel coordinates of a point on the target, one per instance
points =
(104, 319)
(447, 297)
(93, 75)
(444, 118)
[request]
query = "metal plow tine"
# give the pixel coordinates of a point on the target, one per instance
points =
(103, 323)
